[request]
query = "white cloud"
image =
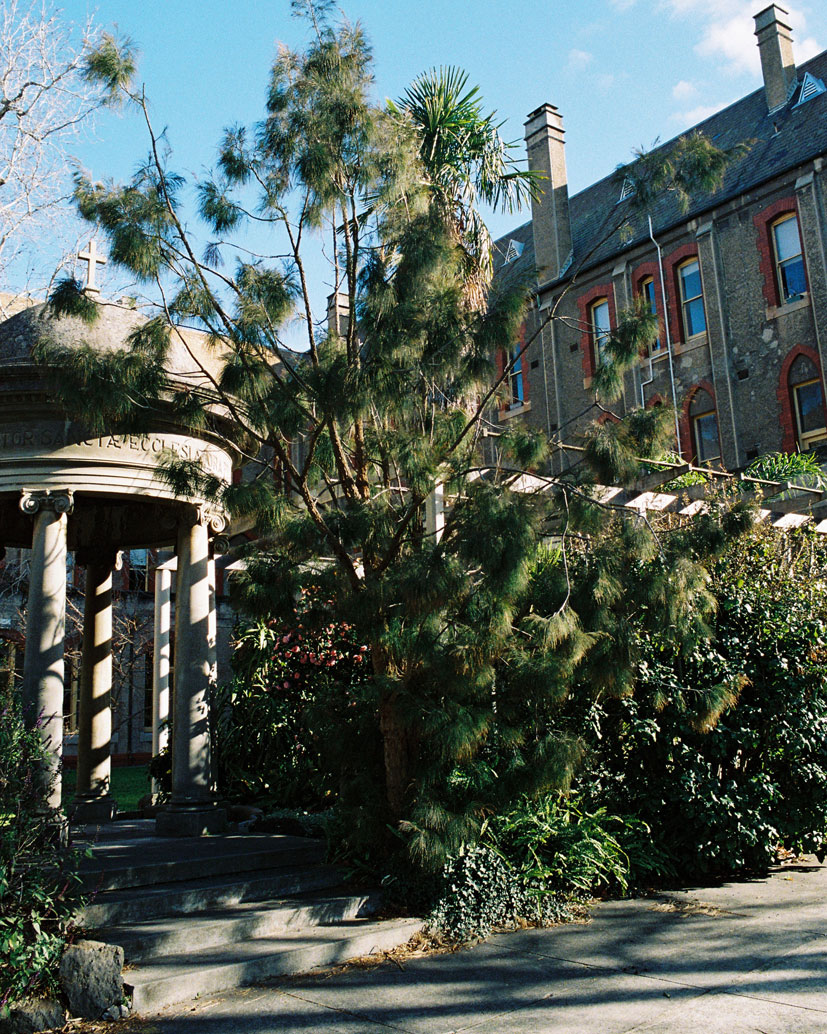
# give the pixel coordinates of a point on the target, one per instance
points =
(622, 5)
(806, 49)
(727, 32)
(579, 60)
(733, 40)
(684, 91)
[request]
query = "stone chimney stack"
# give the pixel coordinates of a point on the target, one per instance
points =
(338, 313)
(775, 45)
(550, 214)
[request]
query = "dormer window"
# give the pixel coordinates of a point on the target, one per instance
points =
(513, 251)
(626, 190)
(810, 87)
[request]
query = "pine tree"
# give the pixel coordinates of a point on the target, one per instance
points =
(473, 633)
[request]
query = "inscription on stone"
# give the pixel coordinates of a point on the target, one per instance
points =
(74, 442)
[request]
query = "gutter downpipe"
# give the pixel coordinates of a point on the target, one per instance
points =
(668, 339)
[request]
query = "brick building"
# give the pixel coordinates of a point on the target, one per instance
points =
(738, 281)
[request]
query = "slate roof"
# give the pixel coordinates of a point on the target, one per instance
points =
(780, 141)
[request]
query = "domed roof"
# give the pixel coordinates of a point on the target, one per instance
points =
(190, 357)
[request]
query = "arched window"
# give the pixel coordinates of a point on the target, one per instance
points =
(693, 317)
(788, 259)
(601, 328)
(807, 402)
(647, 293)
(704, 425)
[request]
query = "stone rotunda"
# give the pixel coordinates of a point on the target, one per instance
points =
(61, 489)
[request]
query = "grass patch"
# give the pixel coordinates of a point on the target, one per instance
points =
(129, 784)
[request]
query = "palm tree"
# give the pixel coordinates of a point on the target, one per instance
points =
(467, 161)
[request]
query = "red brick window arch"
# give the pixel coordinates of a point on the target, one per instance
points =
(780, 253)
(700, 440)
(801, 395)
(597, 318)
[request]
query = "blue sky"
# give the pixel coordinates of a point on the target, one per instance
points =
(622, 72)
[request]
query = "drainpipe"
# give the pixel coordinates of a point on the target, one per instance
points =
(668, 338)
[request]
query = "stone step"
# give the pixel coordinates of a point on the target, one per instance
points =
(155, 861)
(167, 979)
(119, 907)
(176, 934)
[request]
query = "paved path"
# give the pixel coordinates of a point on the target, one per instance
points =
(741, 957)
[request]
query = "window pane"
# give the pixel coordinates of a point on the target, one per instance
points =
(600, 319)
(601, 327)
(803, 370)
(706, 438)
(787, 241)
(649, 297)
(695, 317)
(690, 280)
(792, 278)
(810, 407)
(515, 379)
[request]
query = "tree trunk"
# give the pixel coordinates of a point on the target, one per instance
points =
(399, 743)
(396, 746)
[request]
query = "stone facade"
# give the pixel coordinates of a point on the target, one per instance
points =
(738, 281)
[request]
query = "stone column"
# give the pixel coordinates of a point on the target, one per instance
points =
(93, 802)
(192, 811)
(43, 670)
(161, 659)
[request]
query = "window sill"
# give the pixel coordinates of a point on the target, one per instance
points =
(696, 341)
(801, 302)
(507, 414)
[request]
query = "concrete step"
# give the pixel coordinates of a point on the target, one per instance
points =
(118, 907)
(173, 935)
(149, 862)
(167, 979)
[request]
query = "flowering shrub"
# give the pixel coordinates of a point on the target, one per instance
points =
(298, 720)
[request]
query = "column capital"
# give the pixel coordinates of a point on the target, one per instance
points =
(60, 500)
(214, 520)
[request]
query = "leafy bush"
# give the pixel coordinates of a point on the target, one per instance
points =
(537, 864)
(569, 851)
(39, 882)
(478, 890)
(721, 786)
(297, 723)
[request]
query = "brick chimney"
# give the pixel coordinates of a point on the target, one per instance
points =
(775, 45)
(550, 214)
(338, 313)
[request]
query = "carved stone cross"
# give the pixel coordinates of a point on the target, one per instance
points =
(92, 258)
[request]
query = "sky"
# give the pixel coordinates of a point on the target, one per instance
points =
(623, 73)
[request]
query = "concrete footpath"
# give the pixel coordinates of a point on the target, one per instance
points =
(749, 956)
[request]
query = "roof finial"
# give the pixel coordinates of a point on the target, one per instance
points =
(92, 258)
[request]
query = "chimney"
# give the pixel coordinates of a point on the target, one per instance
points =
(338, 314)
(775, 45)
(550, 214)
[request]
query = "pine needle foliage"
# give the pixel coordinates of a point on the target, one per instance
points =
(475, 629)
